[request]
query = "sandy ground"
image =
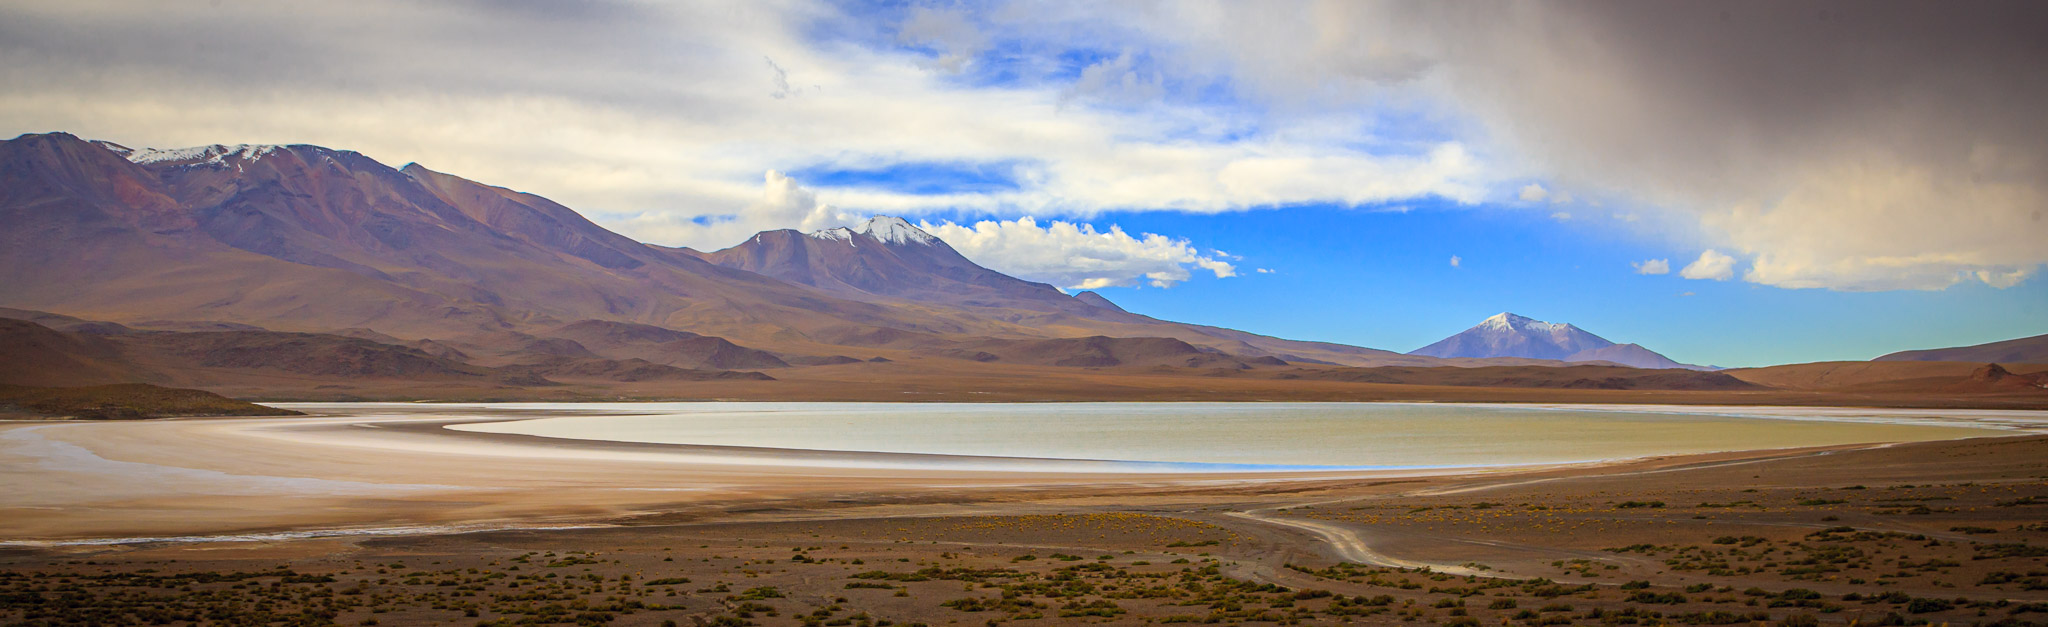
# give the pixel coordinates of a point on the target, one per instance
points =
(1929, 533)
(1937, 532)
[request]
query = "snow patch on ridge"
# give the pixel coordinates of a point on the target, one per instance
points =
(118, 149)
(215, 154)
(841, 233)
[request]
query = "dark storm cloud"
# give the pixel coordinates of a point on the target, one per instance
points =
(1856, 145)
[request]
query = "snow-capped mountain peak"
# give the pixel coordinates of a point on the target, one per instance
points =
(1508, 335)
(894, 230)
(1505, 321)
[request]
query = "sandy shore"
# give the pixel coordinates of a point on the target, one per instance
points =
(399, 470)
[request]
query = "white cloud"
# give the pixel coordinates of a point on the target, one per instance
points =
(1884, 225)
(1916, 164)
(949, 32)
(2004, 279)
(784, 204)
(1652, 266)
(1560, 216)
(1455, 261)
(1066, 254)
(1115, 81)
(1710, 265)
(1077, 256)
(610, 117)
(1264, 270)
(780, 81)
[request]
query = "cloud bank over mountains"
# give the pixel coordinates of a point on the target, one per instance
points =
(1076, 256)
(1841, 145)
(1066, 254)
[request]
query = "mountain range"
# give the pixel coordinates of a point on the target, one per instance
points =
(310, 239)
(307, 272)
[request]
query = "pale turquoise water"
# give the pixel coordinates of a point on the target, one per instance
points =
(1255, 434)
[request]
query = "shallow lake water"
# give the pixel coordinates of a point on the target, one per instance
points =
(1224, 436)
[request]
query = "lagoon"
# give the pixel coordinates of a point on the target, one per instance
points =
(1236, 436)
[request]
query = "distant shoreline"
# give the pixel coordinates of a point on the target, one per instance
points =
(1490, 396)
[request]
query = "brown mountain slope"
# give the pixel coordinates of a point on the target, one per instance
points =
(1996, 377)
(306, 238)
(124, 401)
(625, 340)
(299, 353)
(622, 370)
(1099, 301)
(1632, 355)
(68, 324)
(1099, 352)
(38, 355)
(2026, 350)
(35, 355)
(1571, 377)
(1837, 375)
(1984, 380)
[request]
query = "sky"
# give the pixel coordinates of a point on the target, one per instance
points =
(1732, 183)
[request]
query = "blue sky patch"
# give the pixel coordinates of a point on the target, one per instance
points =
(921, 178)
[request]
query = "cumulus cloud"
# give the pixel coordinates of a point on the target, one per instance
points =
(784, 204)
(1455, 261)
(1077, 256)
(1533, 193)
(947, 31)
(1710, 265)
(1560, 216)
(1116, 81)
(1652, 266)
